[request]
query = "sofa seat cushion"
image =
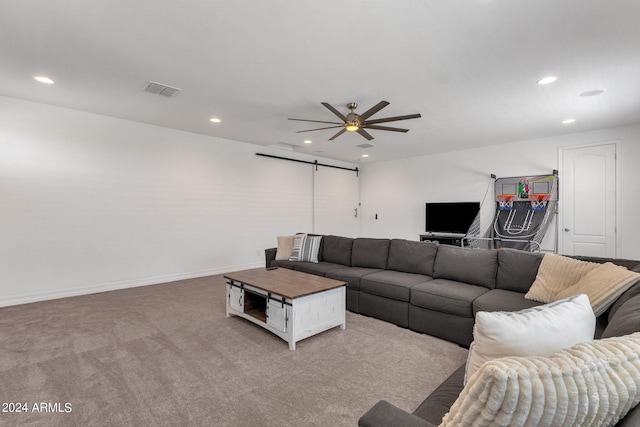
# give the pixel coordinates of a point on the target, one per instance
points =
(502, 300)
(447, 296)
(473, 266)
(438, 403)
(412, 257)
(392, 284)
(284, 263)
(318, 268)
(351, 275)
(384, 414)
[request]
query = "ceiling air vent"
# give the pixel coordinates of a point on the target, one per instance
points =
(365, 145)
(161, 89)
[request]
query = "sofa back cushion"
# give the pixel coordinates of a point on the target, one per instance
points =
(626, 319)
(629, 264)
(412, 257)
(474, 266)
(370, 253)
(630, 293)
(337, 250)
(517, 270)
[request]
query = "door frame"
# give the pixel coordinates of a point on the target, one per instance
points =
(618, 176)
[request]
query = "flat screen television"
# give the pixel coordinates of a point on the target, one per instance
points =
(451, 217)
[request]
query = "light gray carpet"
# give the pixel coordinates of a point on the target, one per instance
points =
(167, 355)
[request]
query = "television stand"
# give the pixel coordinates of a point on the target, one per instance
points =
(455, 239)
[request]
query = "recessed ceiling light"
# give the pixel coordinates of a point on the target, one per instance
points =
(547, 79)
(43, 79)
(307, 141)
(567, 121)
(365, 155)
(214, 120)
(592, 92)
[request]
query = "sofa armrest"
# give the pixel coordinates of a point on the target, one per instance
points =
(384, 414)
(269, 255)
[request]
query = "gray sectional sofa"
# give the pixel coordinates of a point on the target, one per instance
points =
(438, 289)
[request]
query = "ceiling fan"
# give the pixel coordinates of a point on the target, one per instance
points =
(354, 122)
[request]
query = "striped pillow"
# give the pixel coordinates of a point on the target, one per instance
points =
(306, 248)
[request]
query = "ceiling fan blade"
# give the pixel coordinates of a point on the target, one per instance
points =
(365, 134)
(316, 121)
(393, 119)
(338, 134)
(334, 111)
(371, 111)
(328, 127)
(377, 127)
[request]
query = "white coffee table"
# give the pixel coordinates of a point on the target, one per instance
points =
(290, 304)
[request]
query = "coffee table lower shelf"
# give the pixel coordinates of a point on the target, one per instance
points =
(292, 319)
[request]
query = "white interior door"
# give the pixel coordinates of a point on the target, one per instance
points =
(336, 193)
(588, 200)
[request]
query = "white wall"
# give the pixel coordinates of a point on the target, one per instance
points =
(398, 190)
(91, 203)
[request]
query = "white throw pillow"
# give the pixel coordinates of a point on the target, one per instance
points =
(588, 385)
(536, 331)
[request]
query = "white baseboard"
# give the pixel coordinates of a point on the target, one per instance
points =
(121, 284)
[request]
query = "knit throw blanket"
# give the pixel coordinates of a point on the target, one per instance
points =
(589, 384)
(561, 277)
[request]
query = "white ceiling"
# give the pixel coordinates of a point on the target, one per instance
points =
(468, 66)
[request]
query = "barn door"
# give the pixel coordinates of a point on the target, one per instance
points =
(335, 202)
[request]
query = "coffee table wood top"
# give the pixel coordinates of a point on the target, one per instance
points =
(284, 282)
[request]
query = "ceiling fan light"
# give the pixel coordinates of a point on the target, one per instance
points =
(352, 127)
(547, 79)
(43, 79)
